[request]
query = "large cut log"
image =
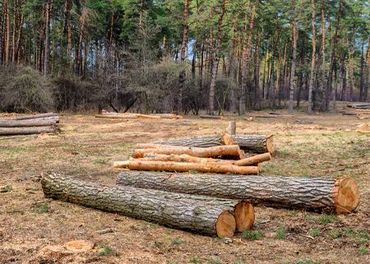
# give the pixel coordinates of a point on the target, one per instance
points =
(200, 214)
(36, 116)
(28, 122)
(7, 131)
(229, 150)
(215, 167)
(251, 143)
(317, 194)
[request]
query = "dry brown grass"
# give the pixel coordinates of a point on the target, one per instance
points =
(319, 145)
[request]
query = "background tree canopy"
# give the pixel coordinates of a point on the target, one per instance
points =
(183, 55)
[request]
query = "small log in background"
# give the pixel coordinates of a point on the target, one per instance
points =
(200, 214)
(317, 194)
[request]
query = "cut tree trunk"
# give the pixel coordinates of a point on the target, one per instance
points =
(229, 150)
(252, 143)
(37, 116)
(28, 122)
(199, 214)
(254, 160)
(317, 194)
(7, 131)
(145, 165)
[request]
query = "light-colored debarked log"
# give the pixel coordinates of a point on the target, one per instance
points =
(199, 214)
(145, 165)
(317, 194)
(250, 143)
(217, 151)
(44, 115)
(227, 139)
(29, 122)
(8, 131)
(253, 160)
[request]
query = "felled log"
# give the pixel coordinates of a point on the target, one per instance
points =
(252, 143)
(183, 158)
(253, 160)
(28, 122)
(359, 105)
(317, 194)
(36, 116)
(200, 214)
(210, 117)
(229, 150)
(7, 131)
(146, 165)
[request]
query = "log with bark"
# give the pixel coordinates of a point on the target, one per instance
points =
(251, 143)
(317, 194)
(200, 214)
(7, 131)
(146, 165)
(216, 151)
(28, 122)
(37, 116)
(359, 105)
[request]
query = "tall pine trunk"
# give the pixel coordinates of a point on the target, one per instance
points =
(216, 58)
(183, 51)
(313, 57)
(294, 58)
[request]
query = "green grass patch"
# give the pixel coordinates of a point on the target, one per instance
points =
(214, 260)
(314, 232)
(325, 219)
(40, 208)
(281, 233)
(363, 250)
(194, 260)
(105, 250)
(335, 233)
(252, 234)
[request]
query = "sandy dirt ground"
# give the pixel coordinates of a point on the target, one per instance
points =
(34, 229)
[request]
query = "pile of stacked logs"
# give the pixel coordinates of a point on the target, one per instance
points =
(360, 110)
(162, 184)
(30, 124)
(209, 154)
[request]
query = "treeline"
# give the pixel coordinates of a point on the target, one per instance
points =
(183, 55)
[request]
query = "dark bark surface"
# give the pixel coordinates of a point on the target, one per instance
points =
(182, 211)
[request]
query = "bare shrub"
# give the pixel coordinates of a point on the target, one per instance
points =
(23, 89)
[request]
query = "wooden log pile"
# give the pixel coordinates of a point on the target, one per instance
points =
(159, 184)
(360, 110)
(30, 124)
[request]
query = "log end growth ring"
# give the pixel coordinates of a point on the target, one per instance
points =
(225, 225)
(244, 216)
(346, 195)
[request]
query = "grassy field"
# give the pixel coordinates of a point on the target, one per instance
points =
(32, 228)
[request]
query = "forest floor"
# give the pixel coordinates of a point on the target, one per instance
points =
(33, 228)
